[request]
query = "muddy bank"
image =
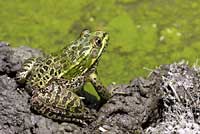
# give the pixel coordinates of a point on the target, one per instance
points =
(167, 101)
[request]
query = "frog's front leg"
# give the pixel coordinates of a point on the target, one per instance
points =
(104, 93)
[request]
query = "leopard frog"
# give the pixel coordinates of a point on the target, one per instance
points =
(55, 79)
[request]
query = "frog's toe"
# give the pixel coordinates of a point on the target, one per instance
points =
(118, 91)
(90, 115)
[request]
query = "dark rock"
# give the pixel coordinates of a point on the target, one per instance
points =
(11, 59)
(149, 106)
(5, 52)
(130, 113)
(20, 55)
(14, 107)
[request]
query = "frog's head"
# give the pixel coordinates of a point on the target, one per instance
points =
(86, 50)
(94, 43)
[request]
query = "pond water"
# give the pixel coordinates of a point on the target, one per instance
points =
(143, 33)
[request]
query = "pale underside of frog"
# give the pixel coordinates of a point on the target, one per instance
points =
(55, 79)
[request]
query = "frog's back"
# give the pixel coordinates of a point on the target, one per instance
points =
(57, 65)
(44, 69)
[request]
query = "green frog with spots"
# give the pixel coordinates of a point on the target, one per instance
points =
(55, 79)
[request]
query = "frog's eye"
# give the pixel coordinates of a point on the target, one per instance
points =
(97, 41)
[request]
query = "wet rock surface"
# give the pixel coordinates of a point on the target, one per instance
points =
(151, 105)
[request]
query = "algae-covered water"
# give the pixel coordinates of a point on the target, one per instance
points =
(143, 33)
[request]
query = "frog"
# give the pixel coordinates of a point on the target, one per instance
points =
(56, 79)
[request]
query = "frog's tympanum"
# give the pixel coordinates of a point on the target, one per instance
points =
(55, 79)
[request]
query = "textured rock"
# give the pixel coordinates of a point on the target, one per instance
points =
(12, 58)
(180, 108)
(130, 113)
(165, 102)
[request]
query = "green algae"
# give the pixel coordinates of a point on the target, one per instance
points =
(143, 34)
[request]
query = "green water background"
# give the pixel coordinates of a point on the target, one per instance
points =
(143, 33)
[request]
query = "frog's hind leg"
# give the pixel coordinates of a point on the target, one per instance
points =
(61, 105)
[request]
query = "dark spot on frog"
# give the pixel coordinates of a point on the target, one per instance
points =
(45, 68)
(73, 47)
(47, 77)
(52, 71)
(56, 73)
(67, 97)
(71, 103)
(50, 114)
(41, 71)
(39, 75)
(48, 62)
(59, 71)
(41, 83)
(94, 53)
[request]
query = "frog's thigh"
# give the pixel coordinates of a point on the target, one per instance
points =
(63, 102)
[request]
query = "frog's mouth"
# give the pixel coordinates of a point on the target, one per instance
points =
(104, 43)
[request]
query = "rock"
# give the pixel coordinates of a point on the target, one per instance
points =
(12, 58)
(165, 102)
(130, 113)
(180, 106)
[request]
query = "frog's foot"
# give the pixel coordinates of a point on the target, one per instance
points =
(88, 117)
(82, 119)
(117, 90)
(20, 90)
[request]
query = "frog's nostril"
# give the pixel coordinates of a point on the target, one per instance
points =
(105, 34)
